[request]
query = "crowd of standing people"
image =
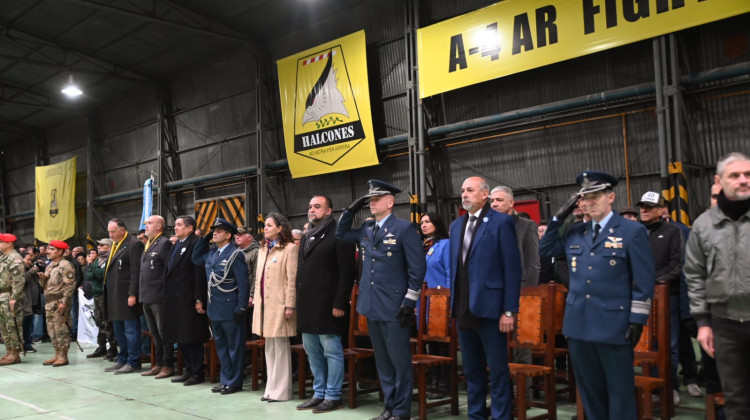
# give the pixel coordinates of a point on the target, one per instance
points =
(231, 287)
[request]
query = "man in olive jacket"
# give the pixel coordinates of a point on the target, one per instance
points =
(325, 274)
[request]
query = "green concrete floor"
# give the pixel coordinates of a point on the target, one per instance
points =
(83, 391)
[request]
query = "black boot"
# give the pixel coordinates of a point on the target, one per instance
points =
(111, 353)
(99, 352)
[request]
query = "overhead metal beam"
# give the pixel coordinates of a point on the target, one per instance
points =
(91, 58)
(164, 21)
(38, 106)
(63, 67)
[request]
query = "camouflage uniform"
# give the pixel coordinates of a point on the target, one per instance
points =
(59, 288)
(11, 288)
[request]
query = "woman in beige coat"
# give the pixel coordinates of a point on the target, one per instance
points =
(275, 293)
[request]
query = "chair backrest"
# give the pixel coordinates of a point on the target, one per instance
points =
(357, 322)
(435, 322)
(560, 292)
(653, 347)
(535, 326)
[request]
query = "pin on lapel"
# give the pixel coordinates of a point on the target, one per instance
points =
(485, 219)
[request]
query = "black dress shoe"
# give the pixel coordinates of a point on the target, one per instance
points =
(194, 380)
(217, 388)
(182, 378)
(327, 405)
(264, 399)
(385, 415)
(230, 390)
(311, 403)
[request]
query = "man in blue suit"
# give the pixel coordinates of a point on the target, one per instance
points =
(486, 283)
(228, 294)
(393, 267)
(611, 287)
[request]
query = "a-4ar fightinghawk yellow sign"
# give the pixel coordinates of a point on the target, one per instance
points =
(325, 104)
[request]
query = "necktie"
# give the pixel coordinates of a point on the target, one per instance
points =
(375, 230)
(597, 228)
(467, 236)
(174, 252)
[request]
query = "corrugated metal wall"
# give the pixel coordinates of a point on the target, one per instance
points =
(215, 116)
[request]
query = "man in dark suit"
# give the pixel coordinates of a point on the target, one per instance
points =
(325, 274)
(121, 290)
(486, 283)
(228, 296)
(151, 294)
(609, 300)
(185, 297)
(393, 268)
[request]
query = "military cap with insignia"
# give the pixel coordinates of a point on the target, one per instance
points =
(58, 244)
(377, 187)
(7, 237)
(225, 225)
(594, 181)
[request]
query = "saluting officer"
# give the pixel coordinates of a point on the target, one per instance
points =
(393, 268)
(611, 286)
(228, 294)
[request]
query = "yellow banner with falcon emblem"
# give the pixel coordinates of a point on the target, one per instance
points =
(55, 201)
(325, 106)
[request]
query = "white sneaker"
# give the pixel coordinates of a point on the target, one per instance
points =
(694, 390)
(676, 397)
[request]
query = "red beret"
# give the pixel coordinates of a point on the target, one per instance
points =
(8, 237)
(59, 244)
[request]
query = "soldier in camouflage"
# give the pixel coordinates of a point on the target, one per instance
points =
(59, 282)
(11, 298)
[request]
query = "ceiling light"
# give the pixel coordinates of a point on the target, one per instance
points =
(71, 90)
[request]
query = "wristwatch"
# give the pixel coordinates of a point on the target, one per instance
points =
(508, 313)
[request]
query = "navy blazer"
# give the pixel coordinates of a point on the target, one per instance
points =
(392, 263)
(223, 305)
(611, 279)
(493, 265)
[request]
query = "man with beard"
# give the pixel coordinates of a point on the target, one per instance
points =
(185, 300)
(325, 274)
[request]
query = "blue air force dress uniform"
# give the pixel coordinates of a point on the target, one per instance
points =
(393, 269)
(611, 287)
(227, 303)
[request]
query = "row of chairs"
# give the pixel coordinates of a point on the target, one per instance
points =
(539, 321)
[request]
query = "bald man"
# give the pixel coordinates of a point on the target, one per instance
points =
(151, 294)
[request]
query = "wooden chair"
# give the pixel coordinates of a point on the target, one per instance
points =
(354, 354)
(257, 360)
(654, 350)
(713, 401)
(535, 330)
(303, 381)
(212, 360)
(435, 326)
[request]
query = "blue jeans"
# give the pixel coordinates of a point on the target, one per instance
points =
(326, 355)
(128, 334)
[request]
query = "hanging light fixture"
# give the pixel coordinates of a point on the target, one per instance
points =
(71, 90)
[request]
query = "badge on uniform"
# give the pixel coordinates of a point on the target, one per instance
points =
(223, 262)
(273, 259)
(613, 242)
(390, 239)
(431, 251)
(573, 264)
(182, 251)
(153, 254)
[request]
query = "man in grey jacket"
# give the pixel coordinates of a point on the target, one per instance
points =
(717, 271)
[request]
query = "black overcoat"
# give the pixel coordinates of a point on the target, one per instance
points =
(325, 274)
(184, 283)
(121, 280)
